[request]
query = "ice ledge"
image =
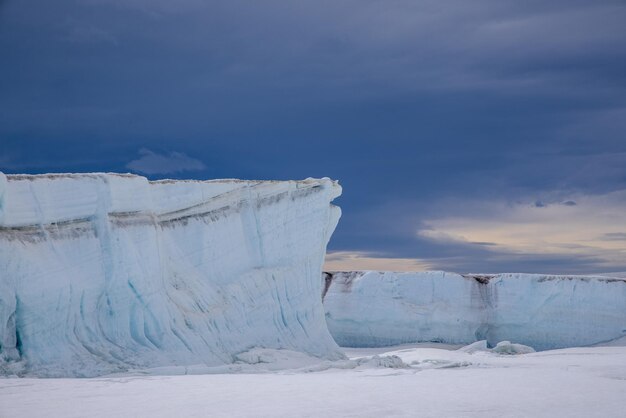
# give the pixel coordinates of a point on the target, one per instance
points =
(104, 272)
(543, 311)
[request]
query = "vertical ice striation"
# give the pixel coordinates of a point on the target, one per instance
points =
(105, 272)
(378, 309)
(544, 311)
(3, 187)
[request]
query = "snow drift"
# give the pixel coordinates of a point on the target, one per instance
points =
(106, 272)
(369, 309)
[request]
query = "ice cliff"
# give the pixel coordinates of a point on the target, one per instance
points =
(366, 309)
(107, 272)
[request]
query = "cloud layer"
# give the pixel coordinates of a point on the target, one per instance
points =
(410, 104)
(152, 163)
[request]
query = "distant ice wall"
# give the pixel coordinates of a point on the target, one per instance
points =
(365, 309)
(105, 272)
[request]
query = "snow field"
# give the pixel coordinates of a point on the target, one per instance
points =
(574, 382)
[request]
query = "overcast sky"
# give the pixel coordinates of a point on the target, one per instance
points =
(468, 135)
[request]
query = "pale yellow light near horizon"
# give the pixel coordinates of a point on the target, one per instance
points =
(350, 261)
(586, 229)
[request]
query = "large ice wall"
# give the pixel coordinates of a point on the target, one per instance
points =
(365, 309)
(104, 272)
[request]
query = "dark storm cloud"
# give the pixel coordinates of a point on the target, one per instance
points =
(400, 100)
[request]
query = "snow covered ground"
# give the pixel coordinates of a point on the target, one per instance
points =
(427, 382)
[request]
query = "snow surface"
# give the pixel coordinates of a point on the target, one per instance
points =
(369, 309)
(416, 382)
(102, 273)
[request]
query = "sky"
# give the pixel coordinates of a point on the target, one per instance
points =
(482, 136)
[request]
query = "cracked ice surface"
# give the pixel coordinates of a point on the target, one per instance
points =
(101, 273)
(369, 309)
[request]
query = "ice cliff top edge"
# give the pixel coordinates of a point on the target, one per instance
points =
(34, 199)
